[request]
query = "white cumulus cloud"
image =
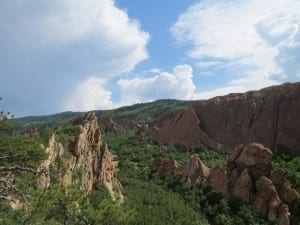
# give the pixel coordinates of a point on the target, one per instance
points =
(89, 95)
(249, 35)
(177, 84)
(60, 43)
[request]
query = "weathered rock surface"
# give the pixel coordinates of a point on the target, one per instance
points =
(183, 130)
(86, 161)
(195, 171)
(251, 181)
(107, 124)
(284, 215)
(165, 167)
(287, 194)
(269, 116)
(243, 187)
(218, 180)
(255, 157)
(127, 123)
(246, 178)
(192, 173)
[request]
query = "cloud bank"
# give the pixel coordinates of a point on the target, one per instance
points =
(63, 43)
(255, 41)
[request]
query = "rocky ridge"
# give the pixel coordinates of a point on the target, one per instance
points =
(85, 160)
(269, 116)
(247, 178)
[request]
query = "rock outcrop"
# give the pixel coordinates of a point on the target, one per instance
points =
(249, 171)
(218, 180)
(247, 178)
(165, 167)
(85, 160)
(269, 116)
(127, 124)
(107, 124)
(183, 130)
(255, 157)
(195, 171)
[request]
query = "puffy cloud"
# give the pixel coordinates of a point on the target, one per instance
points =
(93, 34)
(161, 85)
(249, 35)
(89, 95)
(55, 44)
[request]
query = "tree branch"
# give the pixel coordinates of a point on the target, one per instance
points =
(23, 169)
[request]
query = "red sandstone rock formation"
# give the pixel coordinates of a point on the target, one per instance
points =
(247, 178)
(183, 130)
(127, 124)
(218, 180)
(195, 171)
(255, 157)
(269, 116)
(88, 156)
(165, 167)
(33, 132)
(107, 124)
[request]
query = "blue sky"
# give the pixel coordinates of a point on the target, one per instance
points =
(60, 55)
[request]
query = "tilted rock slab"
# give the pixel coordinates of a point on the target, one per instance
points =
(269, 116)
(88, 159)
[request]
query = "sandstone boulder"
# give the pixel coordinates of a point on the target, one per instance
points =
(255, 157)
(243, 188)
(284, 215)
(165, 167)
(287, 194)
(195, 171)
(218, 180)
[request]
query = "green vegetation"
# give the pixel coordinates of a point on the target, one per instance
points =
(153, 203)
(168, 201)
(20, 157)
(142, 113)
(148, 198)
(67, 133)
(260, 95)
(291, 166)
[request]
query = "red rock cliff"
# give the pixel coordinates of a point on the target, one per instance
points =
(270, 116)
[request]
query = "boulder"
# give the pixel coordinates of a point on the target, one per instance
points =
(165, 167)
(195, 171)
(218, 180)
(243, 188)
(255, 157)
(287, 194)
(284, 215)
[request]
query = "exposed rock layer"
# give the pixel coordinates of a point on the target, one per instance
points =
(86, 160)
(269, 116)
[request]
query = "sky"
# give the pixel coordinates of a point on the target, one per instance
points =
(74, 55)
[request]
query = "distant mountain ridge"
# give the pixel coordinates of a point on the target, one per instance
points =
(141, 113)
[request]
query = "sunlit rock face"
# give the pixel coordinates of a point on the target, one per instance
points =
(84, 159)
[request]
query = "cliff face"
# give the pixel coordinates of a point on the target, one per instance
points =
(81, 157)
(269, 116)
